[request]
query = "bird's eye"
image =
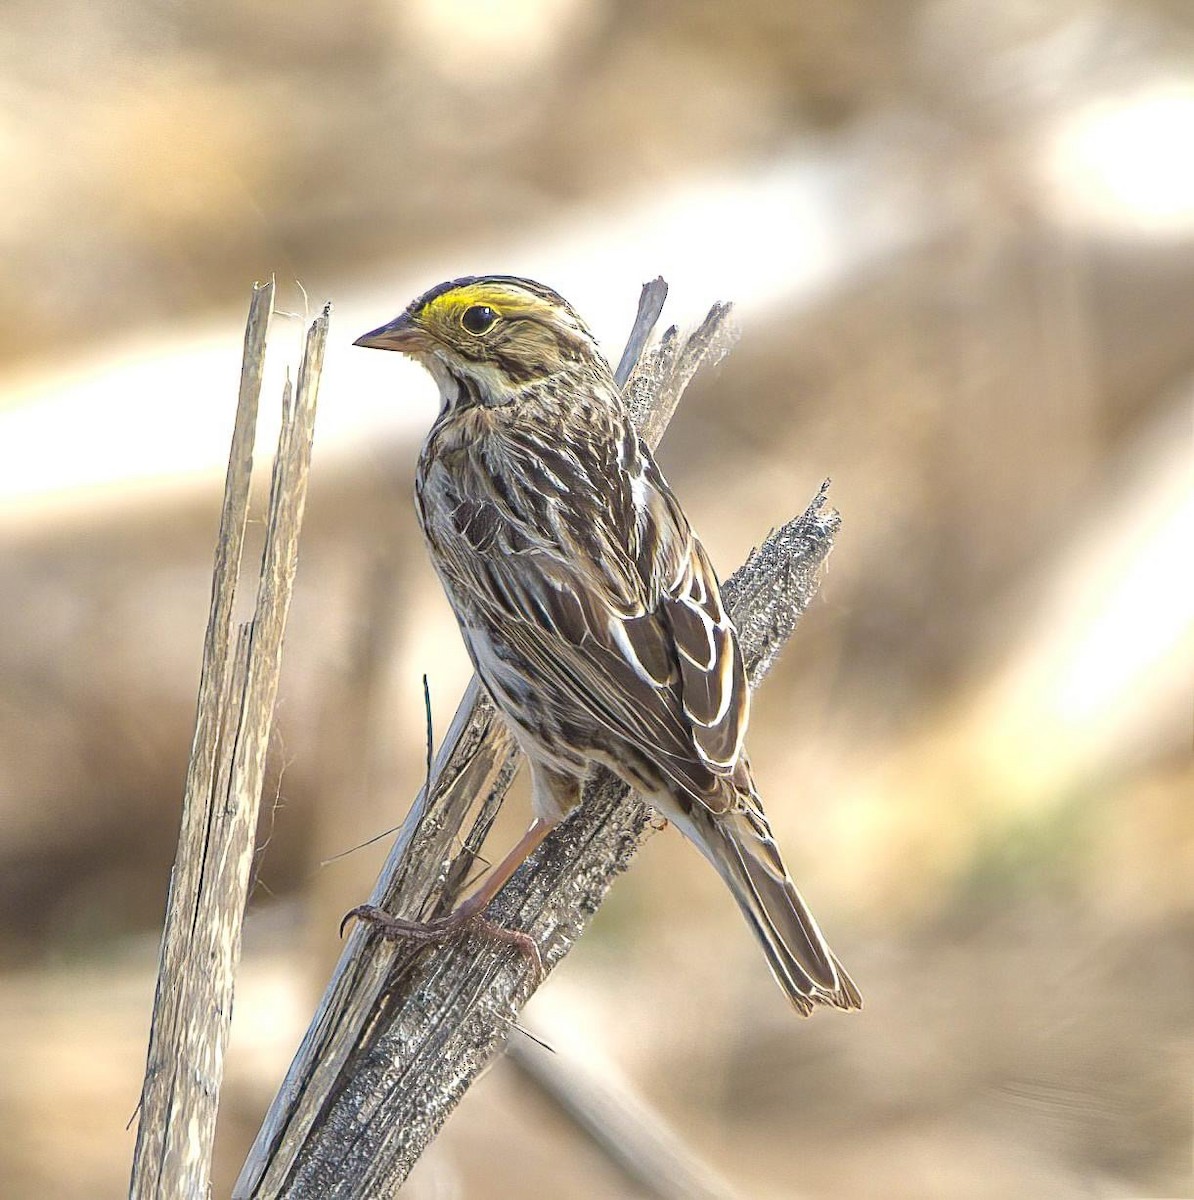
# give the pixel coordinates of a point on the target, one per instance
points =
(479, 319)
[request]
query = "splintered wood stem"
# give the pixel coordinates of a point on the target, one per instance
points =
(209, 884)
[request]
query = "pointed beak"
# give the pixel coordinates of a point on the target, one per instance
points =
(400, 334)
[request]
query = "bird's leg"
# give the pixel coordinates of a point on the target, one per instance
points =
(471, 911)
(500, 875)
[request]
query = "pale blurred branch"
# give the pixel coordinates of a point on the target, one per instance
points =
(209, 884)
(627, 1131)
(402, 1031)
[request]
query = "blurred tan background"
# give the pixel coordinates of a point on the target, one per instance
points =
(961, 239)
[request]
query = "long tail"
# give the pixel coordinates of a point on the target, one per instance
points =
(739, 844)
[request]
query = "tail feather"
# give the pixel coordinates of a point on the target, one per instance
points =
(739, 844)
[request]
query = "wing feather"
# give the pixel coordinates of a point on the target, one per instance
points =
(592, 580)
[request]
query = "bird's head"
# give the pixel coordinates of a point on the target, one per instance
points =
(489, 338)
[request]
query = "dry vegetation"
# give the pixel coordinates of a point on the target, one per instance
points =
(989, 808)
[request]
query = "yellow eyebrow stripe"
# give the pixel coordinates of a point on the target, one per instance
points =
(504, 301)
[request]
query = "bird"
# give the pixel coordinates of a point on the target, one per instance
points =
(589, 607)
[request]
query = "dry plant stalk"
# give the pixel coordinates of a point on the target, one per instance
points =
(209, 883)
(403, 1029)
(631, 1135)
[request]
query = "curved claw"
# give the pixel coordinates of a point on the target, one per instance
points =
(392, 928)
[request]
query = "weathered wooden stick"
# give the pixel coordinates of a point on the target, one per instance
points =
(238, 686)
(402, 1032)
(447, 1010)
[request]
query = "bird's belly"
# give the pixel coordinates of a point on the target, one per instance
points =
(528, 705)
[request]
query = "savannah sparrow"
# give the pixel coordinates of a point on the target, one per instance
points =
(588, 605)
